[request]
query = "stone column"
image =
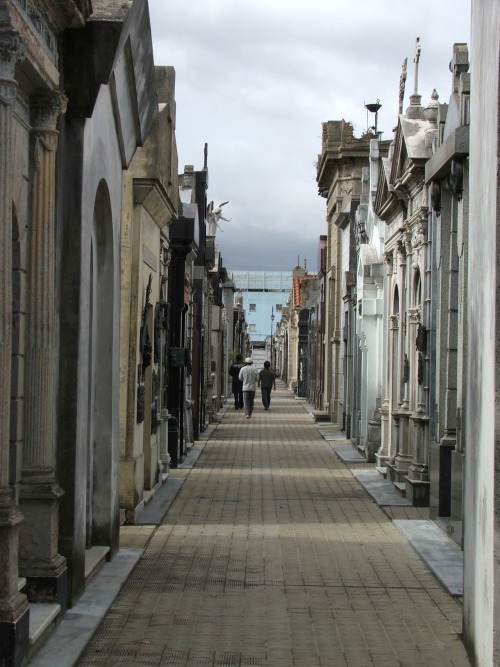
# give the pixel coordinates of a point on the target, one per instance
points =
(385, 451)
(14, 613)
(417, 482)
(402, 412)
(40, 561)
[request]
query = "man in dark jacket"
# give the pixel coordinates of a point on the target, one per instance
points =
(267, 382)
(234, 371)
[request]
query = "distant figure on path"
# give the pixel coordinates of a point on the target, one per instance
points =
(249, 376)
(234, 372)
(267, 382)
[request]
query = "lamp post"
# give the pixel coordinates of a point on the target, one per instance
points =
(373, 108)
(272, 321)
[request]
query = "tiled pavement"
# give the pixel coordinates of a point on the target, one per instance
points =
(272, 554)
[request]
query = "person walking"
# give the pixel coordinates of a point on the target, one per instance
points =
(249, 376)
(234, 371)
(267, 382)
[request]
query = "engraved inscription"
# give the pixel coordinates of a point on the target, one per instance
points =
(150, 258)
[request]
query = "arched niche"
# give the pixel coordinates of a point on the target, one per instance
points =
(417, 289)
(101, 466)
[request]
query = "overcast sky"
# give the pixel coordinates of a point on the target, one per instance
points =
(256, 78)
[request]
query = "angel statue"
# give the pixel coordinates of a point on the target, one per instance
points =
(213, 219)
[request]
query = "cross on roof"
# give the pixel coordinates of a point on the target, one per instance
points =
(416, 59)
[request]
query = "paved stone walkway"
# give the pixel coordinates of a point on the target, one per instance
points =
(273, 554)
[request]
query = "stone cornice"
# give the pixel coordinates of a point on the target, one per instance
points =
(152, 195)
(455, 147)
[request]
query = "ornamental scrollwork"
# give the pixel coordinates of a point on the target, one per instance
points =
(420, 234)
(389, 262)
(46, 107)
(401, 247)
(12, 51)
(407, 240)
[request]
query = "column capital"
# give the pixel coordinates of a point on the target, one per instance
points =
(389, 262)
(45, 107)
(12, 51)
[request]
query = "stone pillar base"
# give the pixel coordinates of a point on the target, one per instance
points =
(48, 589)
(14, 641)
(457, 485)
(381, 460)
(373, 437)
(418, 472)
(396, 472)
(417, 492)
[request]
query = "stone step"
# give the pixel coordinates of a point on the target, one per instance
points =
(382, 470)
(95, 558)
(321, 415)
(43, 620)
(401, 487)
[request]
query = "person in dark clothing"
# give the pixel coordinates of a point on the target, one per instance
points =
(267, 382)
(234, 371)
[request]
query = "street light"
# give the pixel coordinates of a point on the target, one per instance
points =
(373, 108)
(272, 320)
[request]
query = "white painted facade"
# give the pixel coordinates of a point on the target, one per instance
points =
(482, 503)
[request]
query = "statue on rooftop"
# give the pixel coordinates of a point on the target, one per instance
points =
(402, 85)
(213, 219)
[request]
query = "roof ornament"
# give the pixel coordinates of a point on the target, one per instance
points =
(416, 98)
(213, 219)
(416, 60)
(402, 85)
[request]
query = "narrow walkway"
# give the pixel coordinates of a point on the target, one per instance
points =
(272, 554)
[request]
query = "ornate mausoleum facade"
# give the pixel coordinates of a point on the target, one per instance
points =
(104, 339)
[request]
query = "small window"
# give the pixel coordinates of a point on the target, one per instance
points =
(252, 328)
(253, 307)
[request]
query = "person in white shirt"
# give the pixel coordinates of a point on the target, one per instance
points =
(249, 376)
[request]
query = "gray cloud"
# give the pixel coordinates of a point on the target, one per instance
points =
(255, 79)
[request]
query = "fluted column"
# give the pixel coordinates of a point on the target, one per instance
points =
(39, 490)
(385, 450)
(14, 615)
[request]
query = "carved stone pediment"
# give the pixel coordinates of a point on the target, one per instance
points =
(386, 204)
(400, 156)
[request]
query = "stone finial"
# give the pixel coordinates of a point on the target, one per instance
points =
(431, 110)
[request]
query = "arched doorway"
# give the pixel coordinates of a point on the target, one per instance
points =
(100, 463)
